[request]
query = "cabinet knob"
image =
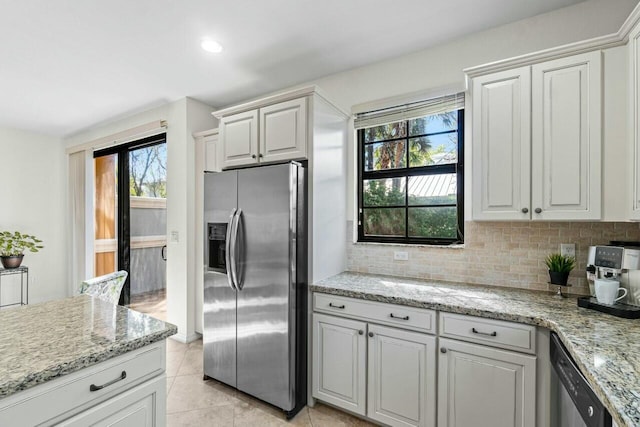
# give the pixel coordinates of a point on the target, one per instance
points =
(260, 155)
(360, 332)
(443, 350)
(253, 156)
(538, 210)
(525, 210)
(371, 334)
(590, 411)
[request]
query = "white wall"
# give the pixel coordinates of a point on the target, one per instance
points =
(184, 117)
(32, 200)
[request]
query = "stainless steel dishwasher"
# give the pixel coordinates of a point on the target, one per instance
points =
(573, 401)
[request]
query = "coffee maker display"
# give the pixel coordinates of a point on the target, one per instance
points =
(614, 272)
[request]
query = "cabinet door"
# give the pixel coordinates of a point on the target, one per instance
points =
(283, 131)
(401, 387)
(142, 406)
(239, 136)
(339, 362)
(566, 138)
(480, 386)
(634, 120)
(501, 145)
(212, 154)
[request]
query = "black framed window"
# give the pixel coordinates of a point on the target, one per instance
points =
(411, 180)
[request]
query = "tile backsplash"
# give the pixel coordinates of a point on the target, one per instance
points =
(495, 253)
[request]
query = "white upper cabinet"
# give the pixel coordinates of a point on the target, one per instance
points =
(566, 138)
(537, 141)
(501, 145)
(239, 136)
(273, 133)
(634, 120)
(283, 131)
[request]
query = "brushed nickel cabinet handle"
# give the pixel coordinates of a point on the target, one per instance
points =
(94, 387)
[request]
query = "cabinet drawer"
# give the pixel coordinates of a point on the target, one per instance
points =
(496, 333)
(418, 319)
(71, 393)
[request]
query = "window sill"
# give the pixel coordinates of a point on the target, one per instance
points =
(412, 245)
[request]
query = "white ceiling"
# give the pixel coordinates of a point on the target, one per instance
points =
(66, 65)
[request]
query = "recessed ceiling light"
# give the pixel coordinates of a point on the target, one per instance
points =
(211, 46)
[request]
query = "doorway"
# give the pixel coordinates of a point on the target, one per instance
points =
(130, 220)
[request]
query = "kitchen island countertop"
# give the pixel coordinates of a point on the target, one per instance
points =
(44, 341)
(606, 348)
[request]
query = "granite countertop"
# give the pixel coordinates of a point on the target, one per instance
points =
(44, 341)
(606, 348)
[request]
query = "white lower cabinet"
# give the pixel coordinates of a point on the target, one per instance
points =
(401, 377)
(384, 373)
(480, 386)
(142, 406)
(339, 362)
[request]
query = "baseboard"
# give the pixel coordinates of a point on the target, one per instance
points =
(183, 338)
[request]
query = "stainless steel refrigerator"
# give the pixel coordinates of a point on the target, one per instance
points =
(255, 282)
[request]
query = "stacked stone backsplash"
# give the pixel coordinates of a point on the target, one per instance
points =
(495, 253)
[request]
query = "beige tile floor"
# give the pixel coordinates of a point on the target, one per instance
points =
(193, 402)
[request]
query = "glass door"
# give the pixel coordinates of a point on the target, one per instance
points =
(130, 220)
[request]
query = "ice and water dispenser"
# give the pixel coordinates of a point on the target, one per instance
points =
(217, 245)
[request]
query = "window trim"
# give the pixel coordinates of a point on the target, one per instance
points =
(457, 168)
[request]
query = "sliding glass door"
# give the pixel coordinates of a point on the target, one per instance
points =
(130, 217)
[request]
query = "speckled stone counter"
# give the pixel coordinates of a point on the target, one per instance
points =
(44, 341)
(606, 348)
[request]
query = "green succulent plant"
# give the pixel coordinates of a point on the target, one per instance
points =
(16, 243)
(560, 263)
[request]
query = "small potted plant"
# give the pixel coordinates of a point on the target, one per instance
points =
(13, 245)
(559, 268)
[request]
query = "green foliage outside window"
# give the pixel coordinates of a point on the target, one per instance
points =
(386, 208)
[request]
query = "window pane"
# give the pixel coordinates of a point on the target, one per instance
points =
(440, 222)
(432, 124)
(384, 192)
(384, 222)
(439, 189)
(433, 150)
(390, 131)
(385, 155)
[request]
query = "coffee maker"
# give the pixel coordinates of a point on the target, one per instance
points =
(619, 261)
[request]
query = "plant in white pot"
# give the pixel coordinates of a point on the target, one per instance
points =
(14, 244)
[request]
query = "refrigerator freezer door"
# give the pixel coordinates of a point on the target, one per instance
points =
(266, 300)
(219, 311)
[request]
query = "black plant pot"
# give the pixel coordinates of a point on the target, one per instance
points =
(12, 261)
(558, 278)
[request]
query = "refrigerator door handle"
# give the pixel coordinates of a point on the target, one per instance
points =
(234, 247)
(228, 249)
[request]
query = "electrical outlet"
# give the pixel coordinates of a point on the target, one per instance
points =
(568, 249)
(401, 256)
